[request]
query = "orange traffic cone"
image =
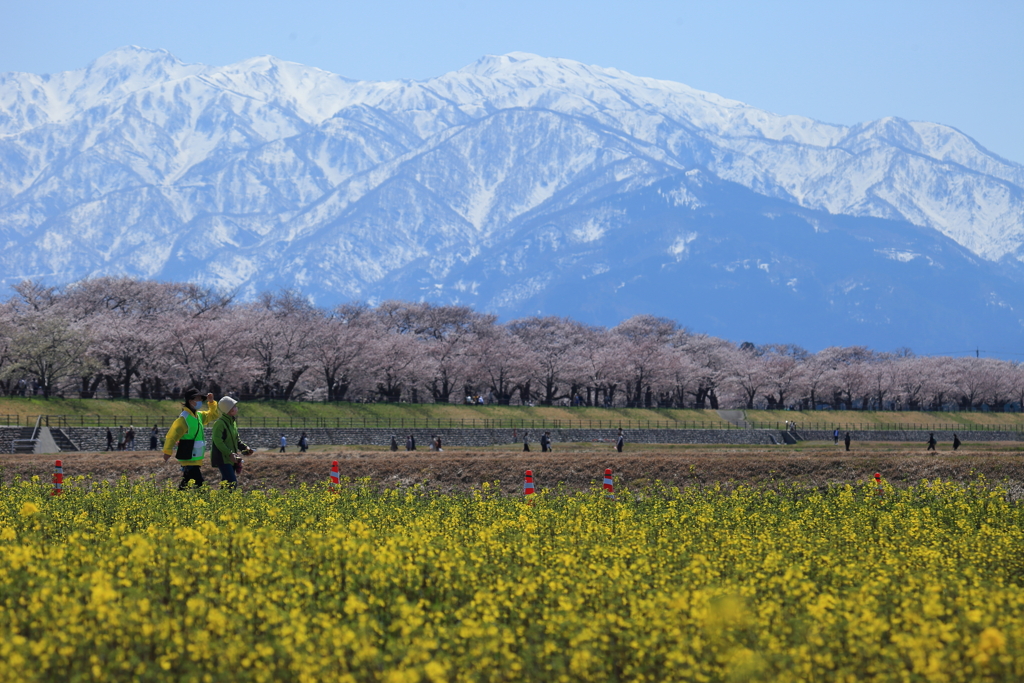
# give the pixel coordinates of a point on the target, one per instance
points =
(609, 485)
(335, 477)
(528, 484)
(58, 479)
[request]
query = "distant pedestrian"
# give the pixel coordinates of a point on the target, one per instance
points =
(526, 441)
(394, 443)
(129, 438)
(154, 438)
(545, 442)
(621, 441)
(120, 437)
(847, 440)
(284, 443)
(412, 442)
(931, 441)
(835, 436)
(110, 440)
(437, 443)
(956, 442)
(303, 443)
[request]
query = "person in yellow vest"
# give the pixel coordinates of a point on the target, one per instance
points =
(187, 434)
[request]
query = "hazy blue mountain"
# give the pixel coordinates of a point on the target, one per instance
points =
(520, 185)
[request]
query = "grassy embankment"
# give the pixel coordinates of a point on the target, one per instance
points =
(23, 411)
(91, 412)
(857, 419)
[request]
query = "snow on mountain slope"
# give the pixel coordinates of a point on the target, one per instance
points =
(268, 172)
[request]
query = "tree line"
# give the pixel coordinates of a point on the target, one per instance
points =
(130, 338)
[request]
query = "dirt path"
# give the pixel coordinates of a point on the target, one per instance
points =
(466, 469)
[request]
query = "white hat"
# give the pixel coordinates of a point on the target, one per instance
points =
(226, 404)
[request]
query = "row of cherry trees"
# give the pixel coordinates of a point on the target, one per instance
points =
(122, 337)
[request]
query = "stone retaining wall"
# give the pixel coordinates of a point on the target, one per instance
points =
(7, 437)
(95, 438)
(909, 435)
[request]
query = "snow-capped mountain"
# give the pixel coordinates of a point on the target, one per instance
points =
(508, 185)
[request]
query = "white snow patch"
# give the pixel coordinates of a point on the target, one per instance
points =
(896, 255)
(678, 248)
(591, 231)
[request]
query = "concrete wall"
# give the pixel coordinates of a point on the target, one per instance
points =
(910, 435)
(95, 439)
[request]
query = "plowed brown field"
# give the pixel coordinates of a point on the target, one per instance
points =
(462, 470)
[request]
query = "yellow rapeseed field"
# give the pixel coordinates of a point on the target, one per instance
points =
(137, 582)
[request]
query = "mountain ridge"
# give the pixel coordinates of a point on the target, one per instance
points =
(143, 165)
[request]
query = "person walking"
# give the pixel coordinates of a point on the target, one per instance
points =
(129, 438)
(154, 437)
(931, 441)
(184, 439)
(526, 441)
(847, 440)
(956, 442)
(835, 436)
(227, 448)
(110, 440)
(284, 442)
(621, 441)
(120, 437)
(303, 443)
(394, 443)
(545, 442)
(437, 443)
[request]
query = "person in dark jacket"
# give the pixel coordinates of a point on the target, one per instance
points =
(227, 448)
(620, 442)
(931, 441)
(526, 441)
(154, 439)
(956, 442)
(303, 443)
(847, 440)
(545, 442)
(110, 440)
(394, 443)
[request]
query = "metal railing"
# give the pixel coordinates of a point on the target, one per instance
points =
(887, 427)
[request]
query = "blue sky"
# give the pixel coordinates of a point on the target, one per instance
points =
(956, 63)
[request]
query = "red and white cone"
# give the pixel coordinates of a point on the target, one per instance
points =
(335, 477)
(58, 479)
(609, 485)
(528, 489)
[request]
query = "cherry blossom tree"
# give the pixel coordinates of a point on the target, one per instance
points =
(500, 361)
(339, 346)
(276, 334)
(643, 341)
(555, 344)
(786, 365)
(48, 348)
